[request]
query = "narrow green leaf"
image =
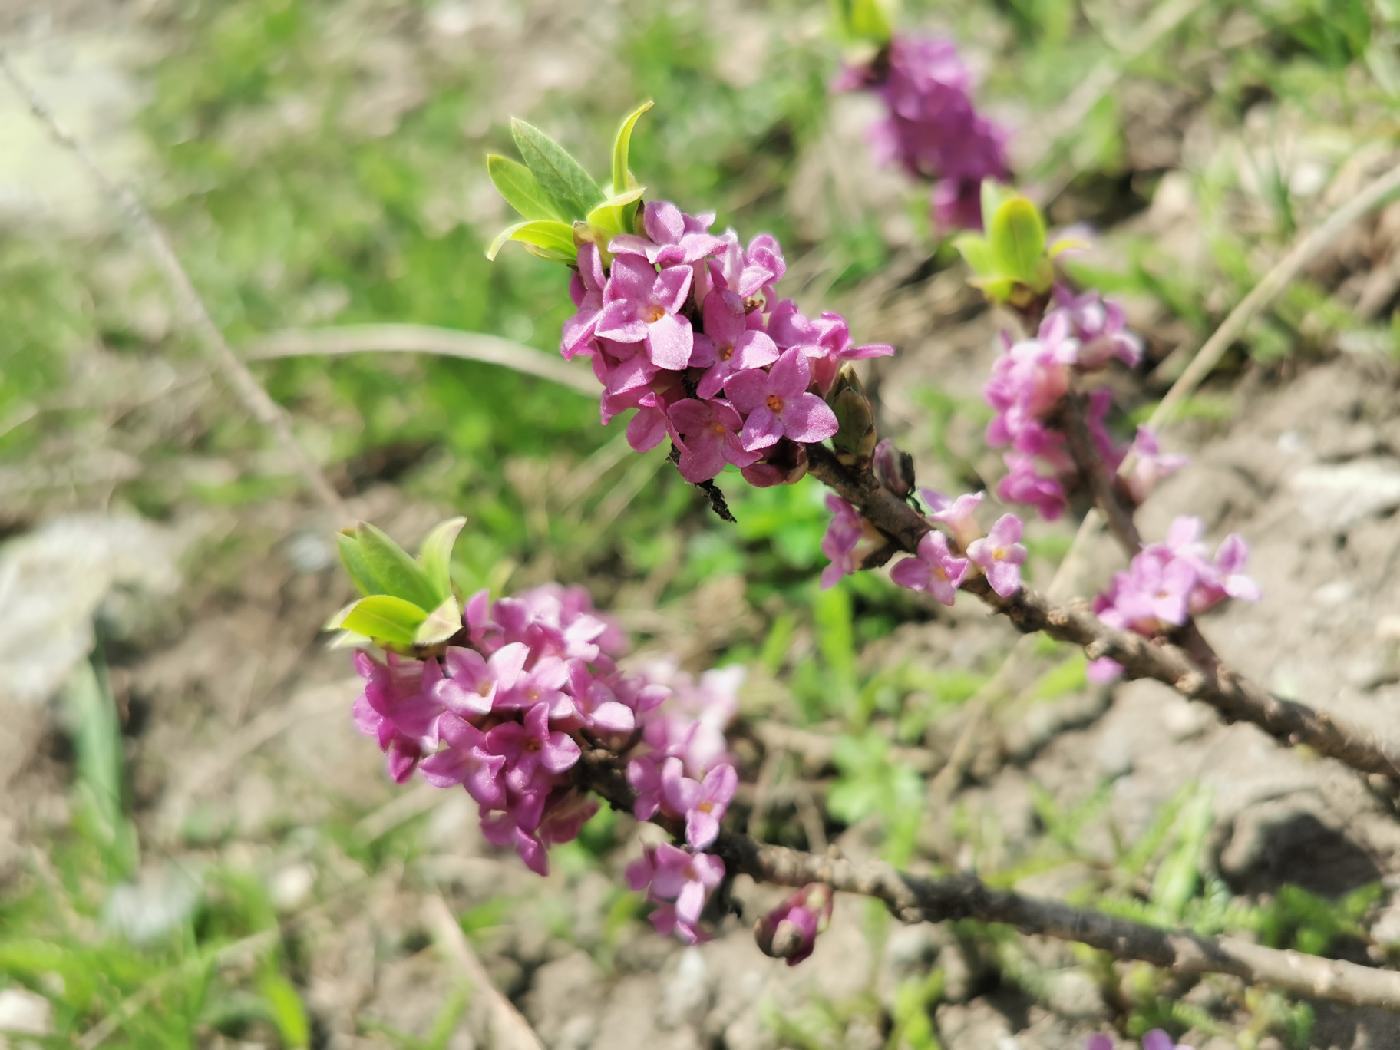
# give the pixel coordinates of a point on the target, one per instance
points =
(285, 1007)
(614, 215)
(547, 238)
(435, 554)
(622, 145)
(1016, 233)
(442, 623)
(393, 570)
(560, 177)
(1179, 873)
(356, 565)
(381, 618)
(518, 186)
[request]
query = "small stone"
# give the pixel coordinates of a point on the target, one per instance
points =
(1334, 594)
(292, 886)
(687, 993)
(1075, 994)
(1342, 494)
(1184, 721)
(23, 1012)
(1386, 928)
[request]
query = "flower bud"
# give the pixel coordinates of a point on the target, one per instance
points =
(790, 930)
(855, 439)
(894, 468)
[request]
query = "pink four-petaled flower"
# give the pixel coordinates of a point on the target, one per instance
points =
(999, 555)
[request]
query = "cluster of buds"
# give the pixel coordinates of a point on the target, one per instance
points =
(931, 127)
(1166, 584)
(1079, 335)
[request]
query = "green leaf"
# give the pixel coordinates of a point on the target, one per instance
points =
(520, 189)
(435, 554)
(615, 214)
(1179, 873)
(547, 238)
(285, 1007)
(356, 565)
(976, 252)
(392, 570)
(442, 623)
(1016, 233)
(867, 20)
(622, 144)
(381, 618)
(560, 177)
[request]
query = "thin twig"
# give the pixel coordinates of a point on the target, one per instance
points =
(1304, 250)
(422, 339)
(1234, 697)
(509, 1029)
(196, 314)
(913, 898)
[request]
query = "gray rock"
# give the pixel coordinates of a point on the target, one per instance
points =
(1340, 495)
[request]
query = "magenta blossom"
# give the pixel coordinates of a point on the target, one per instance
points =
(671, 876)
(737, 347)
(464, 759)
(702, 802)
(504, 833)
(473, 682)
(1099, 327)
(531, 748)
(932, 128)
(935, 569)
(709, 438)
(958, 515)
(1156, 1039)
(642, 305)
(839, 542)
(776, 404)
(586, 289)
(1150, 465)
(1000, 555)
(1024, 483)
(672, 237)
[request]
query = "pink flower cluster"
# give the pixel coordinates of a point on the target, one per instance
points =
(1156, 1039)
(935, 568)
(932, 128)
(502, 712)
(1081, 333)
(685, 327)
(1168, 583)
(684, 771)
